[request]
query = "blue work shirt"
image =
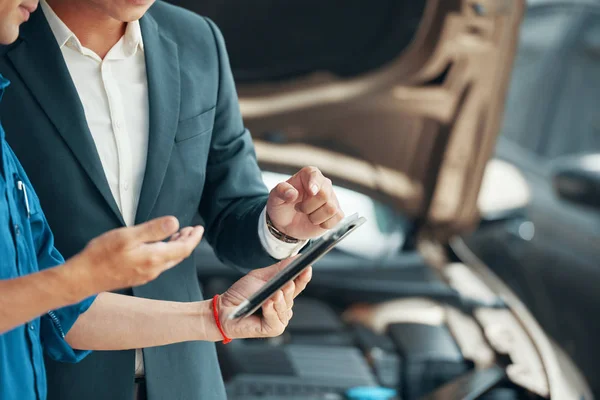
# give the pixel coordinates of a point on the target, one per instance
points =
(26, 247)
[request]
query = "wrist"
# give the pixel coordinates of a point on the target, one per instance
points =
(207, 327)
(73, 280)
(279, 233)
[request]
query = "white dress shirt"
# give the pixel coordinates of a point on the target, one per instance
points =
(114, 94)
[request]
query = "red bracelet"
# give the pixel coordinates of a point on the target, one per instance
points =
(218, 321)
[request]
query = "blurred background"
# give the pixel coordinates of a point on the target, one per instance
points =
(468, 133)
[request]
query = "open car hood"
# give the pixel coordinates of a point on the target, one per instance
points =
(415, 131)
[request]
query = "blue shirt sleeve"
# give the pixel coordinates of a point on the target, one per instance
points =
(54, 325)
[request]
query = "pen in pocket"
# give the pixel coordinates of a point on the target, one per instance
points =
(22, 187)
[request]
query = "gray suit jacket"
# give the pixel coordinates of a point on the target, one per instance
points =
(201, 167)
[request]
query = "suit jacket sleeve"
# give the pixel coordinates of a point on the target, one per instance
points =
(234, 193)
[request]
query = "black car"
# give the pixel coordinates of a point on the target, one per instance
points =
(400, 103)
(549, 254)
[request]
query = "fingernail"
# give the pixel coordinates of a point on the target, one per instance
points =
(290, 193)
(168, 225)
(314, 189)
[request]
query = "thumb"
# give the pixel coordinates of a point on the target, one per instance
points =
(155, 230)
(283, 193)
(269, 272)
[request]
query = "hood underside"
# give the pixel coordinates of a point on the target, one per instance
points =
(416, 131)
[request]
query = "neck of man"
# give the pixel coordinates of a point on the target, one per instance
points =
(94, 28)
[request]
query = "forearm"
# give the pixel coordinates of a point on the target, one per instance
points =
(27, 297)
(117, 322)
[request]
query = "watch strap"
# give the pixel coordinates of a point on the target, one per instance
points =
(278, 234)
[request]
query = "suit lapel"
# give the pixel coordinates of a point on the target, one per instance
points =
(162, 67)
(39, 62)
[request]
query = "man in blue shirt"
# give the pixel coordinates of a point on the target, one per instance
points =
(49, 305)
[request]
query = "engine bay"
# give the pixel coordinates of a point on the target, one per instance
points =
(402, 329)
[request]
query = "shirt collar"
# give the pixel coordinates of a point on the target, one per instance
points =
(132, 38)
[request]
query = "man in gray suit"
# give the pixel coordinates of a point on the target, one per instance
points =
(126, 110)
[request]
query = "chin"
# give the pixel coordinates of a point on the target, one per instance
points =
(134, 14)
(136, 9)
(8, 34)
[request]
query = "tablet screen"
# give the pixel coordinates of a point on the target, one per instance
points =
(314, 252)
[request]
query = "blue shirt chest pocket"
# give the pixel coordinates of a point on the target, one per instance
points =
(25, 200)
(16, 233)
(24, 214)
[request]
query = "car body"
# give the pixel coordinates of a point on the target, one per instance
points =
(549, 254)
(400, 105)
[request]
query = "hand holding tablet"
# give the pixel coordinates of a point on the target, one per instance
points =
(314, 252)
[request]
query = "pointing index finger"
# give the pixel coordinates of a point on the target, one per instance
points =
(311, 180)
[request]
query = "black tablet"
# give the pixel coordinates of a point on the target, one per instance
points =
(314, 252)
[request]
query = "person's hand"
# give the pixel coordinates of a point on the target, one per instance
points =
(133, 256)
(305, 206)
(276, 312)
